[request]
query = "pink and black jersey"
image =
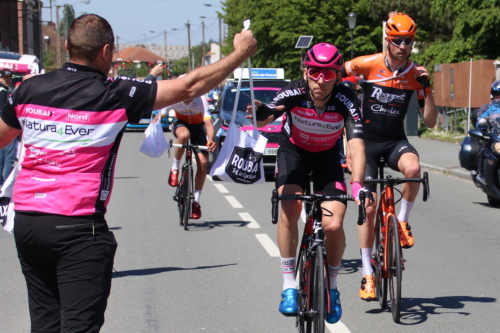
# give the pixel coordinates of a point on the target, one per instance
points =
(72, 121)
(315, 131)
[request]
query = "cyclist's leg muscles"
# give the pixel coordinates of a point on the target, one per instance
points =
(290, 179)
(199, 138)
(181, 132)
(404, 158)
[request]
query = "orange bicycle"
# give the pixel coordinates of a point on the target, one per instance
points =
(387, 257)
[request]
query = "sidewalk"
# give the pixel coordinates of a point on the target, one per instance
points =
(439, 156)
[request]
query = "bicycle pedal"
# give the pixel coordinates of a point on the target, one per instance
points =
(176, 198)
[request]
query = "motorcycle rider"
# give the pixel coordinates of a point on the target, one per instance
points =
(493, 110)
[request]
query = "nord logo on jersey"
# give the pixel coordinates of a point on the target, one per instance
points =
(78, 116)
(386, 98)
(244, 165)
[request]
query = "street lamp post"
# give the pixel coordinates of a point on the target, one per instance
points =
(351, 21)
(165, 46)
(220, 23)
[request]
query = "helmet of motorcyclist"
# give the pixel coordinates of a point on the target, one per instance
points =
(495, 93)
(324, 55)
(400, 24)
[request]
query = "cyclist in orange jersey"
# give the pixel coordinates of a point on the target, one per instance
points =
(391, 80)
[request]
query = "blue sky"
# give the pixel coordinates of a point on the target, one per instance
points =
(132, 20)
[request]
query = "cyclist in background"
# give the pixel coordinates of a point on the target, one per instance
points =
(192, 121)
(316, 108)
(391, 80)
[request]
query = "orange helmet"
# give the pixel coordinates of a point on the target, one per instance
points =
(400, 25)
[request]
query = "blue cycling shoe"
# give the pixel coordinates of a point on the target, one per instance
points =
(288, 305)
(336, 307)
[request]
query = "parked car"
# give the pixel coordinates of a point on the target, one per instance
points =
(264, 91)
(146, 120)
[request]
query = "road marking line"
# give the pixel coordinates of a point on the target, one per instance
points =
(338, 327)
(268, 245)
(221, 188)
(233, 202)
(248, 218)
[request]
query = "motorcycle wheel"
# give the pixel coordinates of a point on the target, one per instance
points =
(493, 202)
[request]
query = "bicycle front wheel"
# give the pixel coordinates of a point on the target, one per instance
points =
(395, 265)
(302, 320)
(181, 195)
(318, 292)
(378, 256)
(187, 197)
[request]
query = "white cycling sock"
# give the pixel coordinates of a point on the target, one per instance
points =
(332, 273)
(404, 212)
(197, 196)
(288, 270)
(366, 256)
(175, 166)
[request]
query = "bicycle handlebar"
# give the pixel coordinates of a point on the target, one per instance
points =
(317, 198)
(189, 146)
(397, 181)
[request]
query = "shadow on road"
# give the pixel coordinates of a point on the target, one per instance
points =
(350, 266)
(416, 310)
(194, 226)
(158, 270)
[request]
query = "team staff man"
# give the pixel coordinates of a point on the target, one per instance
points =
(392, 79)
(72, 121)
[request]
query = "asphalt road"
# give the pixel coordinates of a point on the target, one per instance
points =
(223, 274)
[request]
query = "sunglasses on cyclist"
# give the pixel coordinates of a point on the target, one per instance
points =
(316, 72)
(398, 41)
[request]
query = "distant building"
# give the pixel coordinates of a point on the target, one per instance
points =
(174, 52)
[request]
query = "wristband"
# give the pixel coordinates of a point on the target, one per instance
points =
(355, 188)
(211, 143)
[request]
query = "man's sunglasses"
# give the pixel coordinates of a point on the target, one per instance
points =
(398, 41)
(316, 72)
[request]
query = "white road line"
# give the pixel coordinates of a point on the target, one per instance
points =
(248, 218)
(338, 327)
(233, 202)
(268, 245)
(221, 188)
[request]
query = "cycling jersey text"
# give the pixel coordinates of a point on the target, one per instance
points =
(67, 129)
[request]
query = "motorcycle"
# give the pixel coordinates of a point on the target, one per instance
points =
(480, 154)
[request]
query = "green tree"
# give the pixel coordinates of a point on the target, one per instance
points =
(278, 24)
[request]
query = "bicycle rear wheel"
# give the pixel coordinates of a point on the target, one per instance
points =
(378, 256)
(318, 292)
(187, 197)
(395, 273)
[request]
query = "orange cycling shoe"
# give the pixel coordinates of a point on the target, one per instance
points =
(405, 235)
(195, 211)
(173, 179)
(367, 290)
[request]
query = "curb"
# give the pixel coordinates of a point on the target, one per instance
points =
(451, 172)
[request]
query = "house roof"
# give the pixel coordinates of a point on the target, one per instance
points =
(137, 53)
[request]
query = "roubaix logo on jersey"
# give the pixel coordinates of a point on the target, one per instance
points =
(386, 98)
(288, 93)
(40, 112)
(132, 91)
(350, 105)
(244, 165)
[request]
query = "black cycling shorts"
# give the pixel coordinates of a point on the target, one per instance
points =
(197, 133)
(294, 164)
(391, 151)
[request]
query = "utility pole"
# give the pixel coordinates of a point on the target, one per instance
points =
(203, 43)
(58, 40)
(189, 46)
(117, 47)
(166, 55)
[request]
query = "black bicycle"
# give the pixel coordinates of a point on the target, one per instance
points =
(387, 257)
(312, 264)
(184, 193)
